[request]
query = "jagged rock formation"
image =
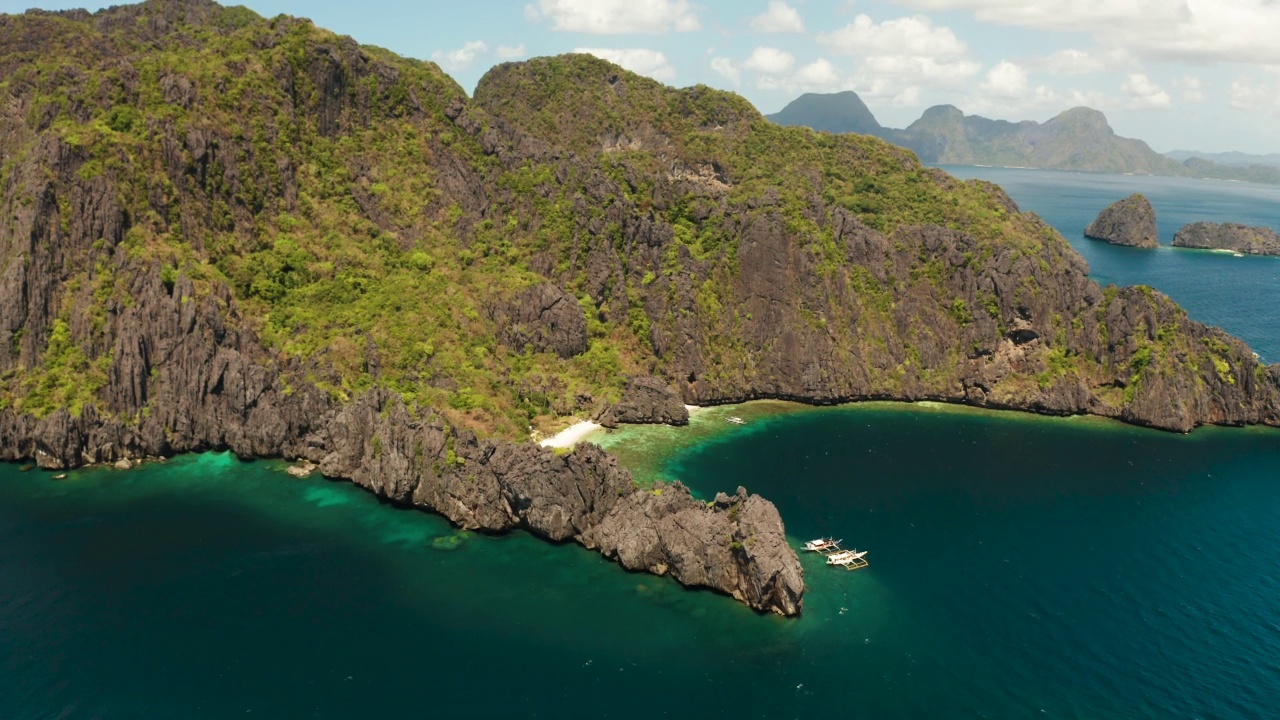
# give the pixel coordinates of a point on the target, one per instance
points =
(1131, 222)
(231, 232)
(1228, 236)
(646, 399)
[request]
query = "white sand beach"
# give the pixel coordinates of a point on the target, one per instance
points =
(571, 435)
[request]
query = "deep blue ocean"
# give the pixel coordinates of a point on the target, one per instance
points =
(1021, 567)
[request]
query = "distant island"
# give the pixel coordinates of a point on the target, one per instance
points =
(1233, 159)
(1228, 236)
(1078, 139)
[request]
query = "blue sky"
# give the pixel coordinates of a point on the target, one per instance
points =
(1180, 74)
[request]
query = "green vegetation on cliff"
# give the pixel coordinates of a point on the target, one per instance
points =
(512, 258)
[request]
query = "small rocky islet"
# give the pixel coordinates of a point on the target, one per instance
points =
(1235, 237)
(331, 254)
(1130, 222)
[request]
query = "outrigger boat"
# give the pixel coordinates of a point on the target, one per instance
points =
(736, 420)
(822, 545)
(848, 559)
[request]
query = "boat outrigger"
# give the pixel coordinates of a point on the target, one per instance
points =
(848, 559)
(736, 420)
(822, 545)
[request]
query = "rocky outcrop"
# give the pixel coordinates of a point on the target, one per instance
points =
(543, 318)
(1228, 236)
(646, 399)
(735, 545)
(1130, 222)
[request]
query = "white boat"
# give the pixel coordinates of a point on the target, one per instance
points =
(821, 544)
(736, 420)
(846, 557)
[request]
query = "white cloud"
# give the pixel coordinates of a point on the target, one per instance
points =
(1074, 62)
(1145, 94)
(727, 69)
(1252, 97)
(896, 59)
(641, 61)
(1006, 80)
(1204, 30)
(819, 75)
(1192, 89)
(615, 17)
(770, 61)
(913, 36)
(510, 52)
(1244, 96)
(779, 18)
(460, 59)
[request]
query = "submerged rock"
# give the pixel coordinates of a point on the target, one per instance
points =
(1131, 222)
(1228, 236)
(301, 470)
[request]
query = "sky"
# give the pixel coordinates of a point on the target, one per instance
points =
(1180, 74)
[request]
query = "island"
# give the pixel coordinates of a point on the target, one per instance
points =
(1234, 237)
(232, 232)
(1130, 222)
(1078, 139)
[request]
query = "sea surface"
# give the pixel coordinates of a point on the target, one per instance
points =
(1021, 567)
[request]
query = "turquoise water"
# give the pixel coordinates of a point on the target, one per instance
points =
(1241, 295)
(1020, 566)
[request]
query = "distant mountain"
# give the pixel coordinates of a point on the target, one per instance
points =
(1078, 139)
(1230, 159)
(842, 112)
